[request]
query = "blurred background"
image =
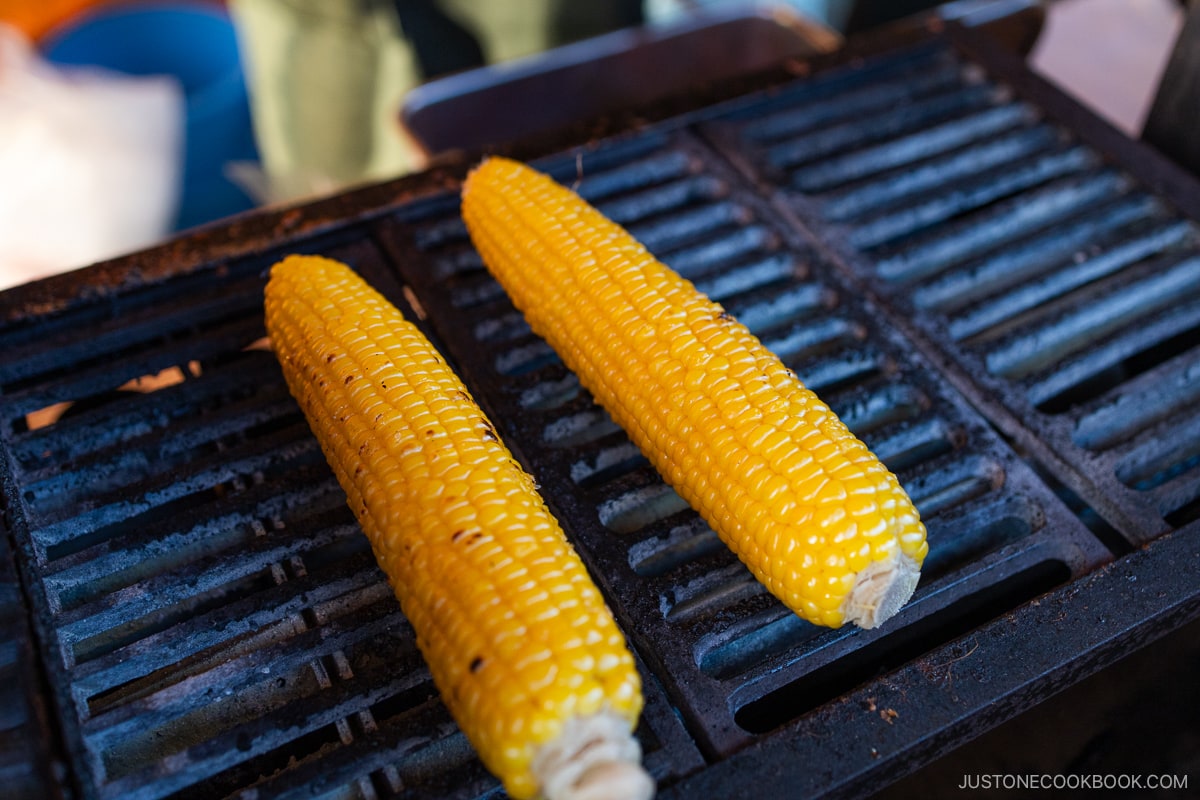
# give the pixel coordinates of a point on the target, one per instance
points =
(123, 122)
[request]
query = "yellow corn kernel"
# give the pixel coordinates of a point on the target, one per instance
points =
(517, 637)
(702, 381)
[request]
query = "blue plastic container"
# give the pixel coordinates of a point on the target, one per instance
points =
(197, 44)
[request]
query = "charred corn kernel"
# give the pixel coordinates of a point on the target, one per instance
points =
(517, 637)
(765, 462)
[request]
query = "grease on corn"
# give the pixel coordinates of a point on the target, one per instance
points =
(811, 511)
(517, 637)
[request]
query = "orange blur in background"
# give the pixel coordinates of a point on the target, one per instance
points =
(36, 18)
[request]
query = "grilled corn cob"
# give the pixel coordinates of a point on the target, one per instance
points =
(816, 517)
(517, 637)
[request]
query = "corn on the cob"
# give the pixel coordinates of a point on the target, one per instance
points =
(518, 639)
(811, 511)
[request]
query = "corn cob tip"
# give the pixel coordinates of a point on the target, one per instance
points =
(594, 758)
(880, 590)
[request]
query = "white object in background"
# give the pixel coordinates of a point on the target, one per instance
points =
(90, 162)
(1109, 54)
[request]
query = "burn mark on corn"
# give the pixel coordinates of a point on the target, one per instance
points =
(476, 664)
(489, 432)
(467, 536)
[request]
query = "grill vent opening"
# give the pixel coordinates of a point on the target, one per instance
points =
(170, 376)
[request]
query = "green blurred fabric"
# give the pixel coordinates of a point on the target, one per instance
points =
(328, 77)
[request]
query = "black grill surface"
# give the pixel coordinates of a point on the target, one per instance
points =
(209, 621)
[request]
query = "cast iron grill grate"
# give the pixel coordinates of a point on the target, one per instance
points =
(213, 607)
(1062, 286)
(734, 661)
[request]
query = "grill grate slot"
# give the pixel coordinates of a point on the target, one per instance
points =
(1116, 359)
(1027, 260)
(707, 620)
(847, 95)
(991, 227)
(962, 108)
(167, 496)
(88, 575)
(609, 464)
(663, 198)
(691, 540)
(657, 168)
(55, 348)
(111, 371)
(1175, 389)
(87, 429)
(703, 259)
(1049, 345)
(1153, 464)
(839, 171)
(1010, 305)
(117, 474)
(855, 201)
(1044, 271)
(637, 509)
(947, 204)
